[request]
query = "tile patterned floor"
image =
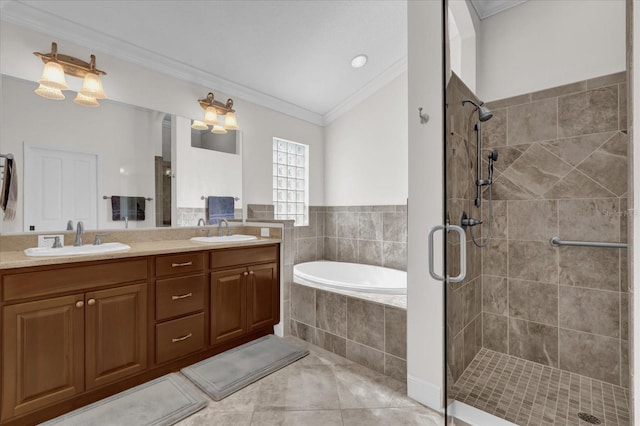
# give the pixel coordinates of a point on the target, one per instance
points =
(321, 389)
(527, 393)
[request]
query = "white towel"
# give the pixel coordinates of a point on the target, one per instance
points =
(9, 193)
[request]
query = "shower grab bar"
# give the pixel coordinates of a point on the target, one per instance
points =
(463, 253)
(557, 242)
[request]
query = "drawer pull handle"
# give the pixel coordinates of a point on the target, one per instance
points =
(182, 296)
(91, 302)
(180, 339)
(175, 265)
(250, 272)
(79, 304)
(245, 274)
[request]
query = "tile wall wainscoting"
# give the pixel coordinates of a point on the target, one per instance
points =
(561, 171)
(368, 333)
(373, 235)
(189, 216)
(464, 300)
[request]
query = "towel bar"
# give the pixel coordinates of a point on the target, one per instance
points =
(557, 242)
(104, 197)
(202, 197)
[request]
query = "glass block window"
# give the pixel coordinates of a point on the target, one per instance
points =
(291, 181)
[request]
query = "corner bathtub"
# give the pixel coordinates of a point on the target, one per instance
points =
(351, 277)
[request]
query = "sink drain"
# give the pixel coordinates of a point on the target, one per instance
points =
(589, 418)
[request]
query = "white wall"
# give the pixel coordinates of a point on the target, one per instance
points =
(541, 44)
(425, 361)
(130, 146)
(366, 150)
(463, 42)
(132, 84)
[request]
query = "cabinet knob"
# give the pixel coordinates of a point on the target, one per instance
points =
(250, 272)
(79, 304)
(91, 302)
(245, 273)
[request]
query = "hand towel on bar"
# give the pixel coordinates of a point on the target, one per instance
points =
(220, 208)
(132, 208)
(9, 193)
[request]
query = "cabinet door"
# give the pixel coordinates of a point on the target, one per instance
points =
(228, 304)
(116, 338)
(42, 353)
(263, 298)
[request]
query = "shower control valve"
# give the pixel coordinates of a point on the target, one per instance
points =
(468, 221)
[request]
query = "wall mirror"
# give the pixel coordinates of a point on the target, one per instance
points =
(72, 157)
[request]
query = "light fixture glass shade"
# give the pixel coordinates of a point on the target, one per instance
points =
(218, 129)
(86, 100)
(210, 116)
(230, 122)
(199, 125)
(92, 86)
(49, 93)
(53, 76)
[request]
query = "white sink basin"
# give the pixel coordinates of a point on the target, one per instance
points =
(76, 251)
(224, 239)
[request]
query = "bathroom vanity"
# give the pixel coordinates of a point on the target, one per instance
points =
(76, 332)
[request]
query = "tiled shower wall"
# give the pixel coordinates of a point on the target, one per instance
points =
(561, 171)
(464, 319)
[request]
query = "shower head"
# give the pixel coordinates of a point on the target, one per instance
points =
(484, 113)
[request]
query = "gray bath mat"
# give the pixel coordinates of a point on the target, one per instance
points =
(230, 371)
(163, 401)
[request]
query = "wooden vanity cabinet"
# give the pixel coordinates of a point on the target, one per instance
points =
(244, 291)
(180, 306)
(42, 353)
(75, 333)
(58, 347)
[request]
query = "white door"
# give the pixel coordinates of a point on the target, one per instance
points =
(59, 186)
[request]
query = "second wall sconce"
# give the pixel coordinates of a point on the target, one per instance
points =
(212, 112)
(53, 82)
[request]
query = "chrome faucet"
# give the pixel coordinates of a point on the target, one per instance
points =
(226, 222)
(200, 222)
(79, 232)
(126, 222)
(70, 225)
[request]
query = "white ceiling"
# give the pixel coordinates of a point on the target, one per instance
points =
(293, 56)
(486, 8)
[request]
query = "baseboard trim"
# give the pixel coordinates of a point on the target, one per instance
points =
(474, 416)
(425, 393)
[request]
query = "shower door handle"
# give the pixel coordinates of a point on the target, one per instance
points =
(463, 253)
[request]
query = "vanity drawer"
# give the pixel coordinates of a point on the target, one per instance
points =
(179, 264)
(179, 296)
(243, 256)
(179, 337)
(71, 278)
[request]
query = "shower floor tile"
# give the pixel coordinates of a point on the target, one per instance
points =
(527, 393)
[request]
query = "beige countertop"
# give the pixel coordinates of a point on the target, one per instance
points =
(17, 259)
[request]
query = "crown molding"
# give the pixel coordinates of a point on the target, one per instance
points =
(55, 26)
(485, 9)
(369, 89)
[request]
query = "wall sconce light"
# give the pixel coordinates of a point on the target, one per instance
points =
(214, 112)
(53, 82)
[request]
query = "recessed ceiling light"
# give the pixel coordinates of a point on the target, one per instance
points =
(359, 61)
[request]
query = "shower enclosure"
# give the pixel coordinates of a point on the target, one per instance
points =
(537, 333)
